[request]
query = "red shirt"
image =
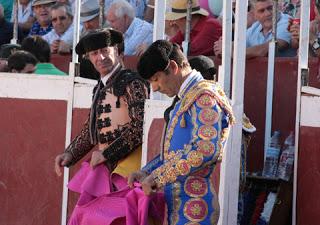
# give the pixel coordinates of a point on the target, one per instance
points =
(202, 37)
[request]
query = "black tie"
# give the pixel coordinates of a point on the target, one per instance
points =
(166, 114)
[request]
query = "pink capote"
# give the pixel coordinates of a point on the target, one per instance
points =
(99, 205)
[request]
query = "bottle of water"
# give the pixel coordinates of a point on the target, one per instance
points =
(272, 156)
(286, 159)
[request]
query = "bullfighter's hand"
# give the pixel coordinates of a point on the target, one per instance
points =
(149, 186)
(97, 158)
(138, 176)
(62, 160)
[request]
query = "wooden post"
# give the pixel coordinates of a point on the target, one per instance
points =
(271, 61)
(230, 167)
(225, 75)
(302, 66)
(15, 23)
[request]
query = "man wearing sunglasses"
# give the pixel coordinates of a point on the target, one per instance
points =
(60, 38)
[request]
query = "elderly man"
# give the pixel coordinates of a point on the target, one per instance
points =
(89, 15)
(204, 30)
(140, 6)
(60, 38)
(41, 10)
(137, 33)
(196, 132)
(115, 122)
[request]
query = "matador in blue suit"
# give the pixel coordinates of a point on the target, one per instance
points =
(196, 132)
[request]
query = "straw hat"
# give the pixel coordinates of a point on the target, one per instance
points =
(42, 2)
(89, 10)
(179, 9)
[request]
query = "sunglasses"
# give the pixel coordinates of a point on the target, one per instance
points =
(61, 18)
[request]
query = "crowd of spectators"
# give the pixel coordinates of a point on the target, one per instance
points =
(52, 21)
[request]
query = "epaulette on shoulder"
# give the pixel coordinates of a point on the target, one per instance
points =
(212, 89)
(123, 79)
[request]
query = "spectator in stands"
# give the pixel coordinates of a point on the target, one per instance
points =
(139, 6)
(6, 29)
(5, 51)
(41, 9)
(37, 46)
(290, 7)
(25, 15)
(60, 38)
(22, 62)
(204, 65)
(89, 15)
(314, 32)
(137, 33)
(204, 30)
(260, 32)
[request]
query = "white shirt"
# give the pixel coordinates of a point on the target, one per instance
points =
(139, 32)
(23, 15)
(67, 36)
(186, 82)
(106, 77)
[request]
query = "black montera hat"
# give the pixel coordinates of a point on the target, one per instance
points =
(98, 39)
(156, 58)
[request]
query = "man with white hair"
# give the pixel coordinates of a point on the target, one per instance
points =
(139, 6)
(137, 33)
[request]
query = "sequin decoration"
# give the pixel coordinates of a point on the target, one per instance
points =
(205, 101)
(207, 132)
(183, 167)
(195, 158)
(196, 186)
(195, 210)
(176, 203)
(208, 116)
(203, 172)
(192, 223)
(205, 147)
(170, 175)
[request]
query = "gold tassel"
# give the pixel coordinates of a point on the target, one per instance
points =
(183, 121)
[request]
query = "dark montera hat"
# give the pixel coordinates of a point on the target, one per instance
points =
(156, 58)
(98, 39)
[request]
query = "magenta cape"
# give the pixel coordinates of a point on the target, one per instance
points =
(99, 205)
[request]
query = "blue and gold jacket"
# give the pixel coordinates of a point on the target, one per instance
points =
(195, 136)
